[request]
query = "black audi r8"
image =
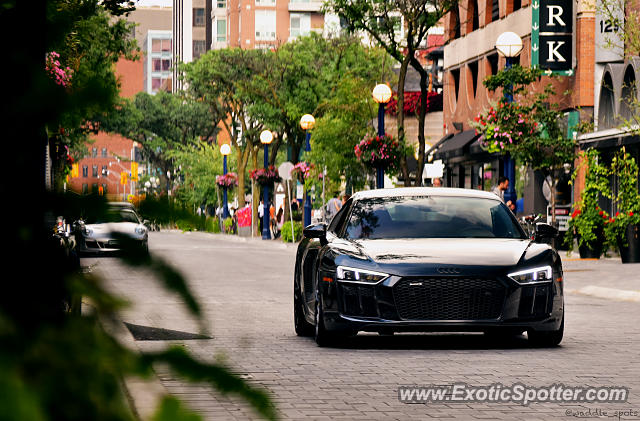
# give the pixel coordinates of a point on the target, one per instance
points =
(427, 259)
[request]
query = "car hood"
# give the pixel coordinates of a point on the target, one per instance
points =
(412, 254)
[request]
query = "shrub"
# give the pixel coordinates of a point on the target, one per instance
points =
(186, 225)
(228, 224)
(287, 237)
(212, 225)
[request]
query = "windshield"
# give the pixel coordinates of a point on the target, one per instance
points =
(431, 217)
(114, 215)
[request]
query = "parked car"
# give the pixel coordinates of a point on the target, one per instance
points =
(104, 233)
(427, 259)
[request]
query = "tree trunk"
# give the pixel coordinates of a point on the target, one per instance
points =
(400, 118)
(255, 195)
(421, 117)
(242, 165)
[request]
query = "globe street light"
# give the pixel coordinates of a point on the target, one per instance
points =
(509, 45)
(266, 137)
(382, 95)
(225, 150)
(307, 122)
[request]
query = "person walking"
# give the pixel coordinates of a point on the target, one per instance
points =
(260, 215)
(332, 207)
(503, 185)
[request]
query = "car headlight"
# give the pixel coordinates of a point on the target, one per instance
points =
(533, 275)
(359, 275)
(140, 230)
(87, 231)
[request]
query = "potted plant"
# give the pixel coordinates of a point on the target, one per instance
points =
(265, 177)
(228, 180)
(588, 220)
(622, 230)
(379, 152)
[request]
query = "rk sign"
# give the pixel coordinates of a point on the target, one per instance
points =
(552, 35)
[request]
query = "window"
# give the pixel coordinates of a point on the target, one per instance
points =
(266, 2)
(473, 75)
(94, 188)
(156, 45)
(156, 83)
(161, 65)
(495, 10)
(94, 152)
(431, 217)
(455, 76)
(221, 30)
(85, 188)
(85, 171)
(222, 4)
(492, 62)
(475, 19)
(199, 48)
(94, 171)
(166, 45)
(104, 170)
(266, 25)
(300, 24)
(517, 4)
(104, 189)
(104, 152)
(198, 16)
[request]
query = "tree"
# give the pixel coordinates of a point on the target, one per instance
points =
(216, 79)
(382, 21)
(161, 123)
(58, 365)
(528, 129)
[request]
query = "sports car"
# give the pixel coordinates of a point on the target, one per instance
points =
(427, 259)
(111, 230)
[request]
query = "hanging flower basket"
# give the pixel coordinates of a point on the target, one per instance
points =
(265, 177)
(301, 171)
(378, 151)
(229, 180)
(503, 126)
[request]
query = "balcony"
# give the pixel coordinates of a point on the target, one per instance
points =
(305, 6)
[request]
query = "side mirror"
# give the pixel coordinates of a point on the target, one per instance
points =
(545, 232)
(146, 223)
(316, 231)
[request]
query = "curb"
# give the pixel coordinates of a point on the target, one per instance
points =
(608, 293)
(144, 395)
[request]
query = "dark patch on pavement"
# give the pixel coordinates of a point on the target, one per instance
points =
(147, 333)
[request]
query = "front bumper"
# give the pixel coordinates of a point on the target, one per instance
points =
(443, 303)
(90, 245)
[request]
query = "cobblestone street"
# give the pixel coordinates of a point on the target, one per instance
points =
(245, 287)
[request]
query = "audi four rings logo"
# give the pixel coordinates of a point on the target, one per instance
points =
(449, 271)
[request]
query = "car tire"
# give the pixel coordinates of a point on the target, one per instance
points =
(300, 324)
(546, 339)
(322, 336)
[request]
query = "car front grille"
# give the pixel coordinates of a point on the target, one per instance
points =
(449, 298)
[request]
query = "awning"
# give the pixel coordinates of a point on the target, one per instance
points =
(457, 145)
(609, 138)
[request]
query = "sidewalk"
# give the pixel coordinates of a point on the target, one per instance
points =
(604, 278)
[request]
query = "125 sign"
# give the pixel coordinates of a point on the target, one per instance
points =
(609, 26)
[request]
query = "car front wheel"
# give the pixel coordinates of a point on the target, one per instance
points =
(547, 339)
(322, 336)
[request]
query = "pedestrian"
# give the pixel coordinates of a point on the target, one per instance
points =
(294, 205)
(345, 198)
(437, 182)
(503, 185)
(260, 214)
(333, 206)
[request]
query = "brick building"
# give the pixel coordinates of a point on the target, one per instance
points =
(109, 155)
(470, 56)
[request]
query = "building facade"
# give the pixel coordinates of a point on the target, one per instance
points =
(470, 56)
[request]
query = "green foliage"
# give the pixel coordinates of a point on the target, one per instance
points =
(212, 224)
(627, 200)
(287, 235)
(186, 225)
(588, 220)
(228, 225)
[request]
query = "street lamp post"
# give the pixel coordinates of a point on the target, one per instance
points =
(382, 95)
(307, 122)
(509, 45)
(225, 150)
(265, 138)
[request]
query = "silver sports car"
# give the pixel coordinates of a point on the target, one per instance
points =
(104, 233)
